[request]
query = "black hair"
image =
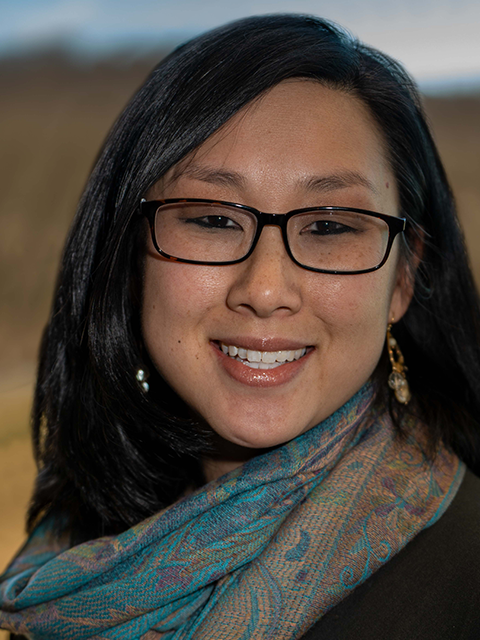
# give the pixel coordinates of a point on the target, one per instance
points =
(109, 454)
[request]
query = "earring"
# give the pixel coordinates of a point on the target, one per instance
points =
(397, 379)
(141, 377)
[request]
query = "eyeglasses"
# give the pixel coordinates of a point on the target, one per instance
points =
(338, 240)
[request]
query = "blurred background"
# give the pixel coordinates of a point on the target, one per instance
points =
(67, 67)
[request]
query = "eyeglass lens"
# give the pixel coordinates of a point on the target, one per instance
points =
(330, 240)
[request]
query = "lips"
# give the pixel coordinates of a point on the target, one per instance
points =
(262, 367)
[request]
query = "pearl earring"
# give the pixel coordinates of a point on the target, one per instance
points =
(141, 377)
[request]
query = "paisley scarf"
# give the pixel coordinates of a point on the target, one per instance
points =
(262, 552)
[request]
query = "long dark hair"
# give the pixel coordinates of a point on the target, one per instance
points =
(110, 455)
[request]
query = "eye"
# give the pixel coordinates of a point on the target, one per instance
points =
(327, 228)
(213, 222)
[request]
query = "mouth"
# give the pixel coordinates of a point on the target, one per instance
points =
(262, 359)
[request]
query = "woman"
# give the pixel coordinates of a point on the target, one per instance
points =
(228, 446)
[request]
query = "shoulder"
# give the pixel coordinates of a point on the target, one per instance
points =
(451, 547)
(431, 589)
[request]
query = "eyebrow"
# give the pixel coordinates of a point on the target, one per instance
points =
(323, 184)
(220, 177)
(337, 181)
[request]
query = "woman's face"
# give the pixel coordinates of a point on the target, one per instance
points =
(300, 145)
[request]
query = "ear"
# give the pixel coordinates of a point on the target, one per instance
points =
(405, 281)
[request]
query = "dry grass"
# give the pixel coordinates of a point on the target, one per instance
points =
(53, 117)
(17, 469)
(456, 128)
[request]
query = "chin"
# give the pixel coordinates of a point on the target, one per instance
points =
(262, 436)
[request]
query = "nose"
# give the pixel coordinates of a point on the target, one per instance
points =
(268, 282)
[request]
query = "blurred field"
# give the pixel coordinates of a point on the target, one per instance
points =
(53, 117)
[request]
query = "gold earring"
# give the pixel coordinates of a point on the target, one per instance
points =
(397, 379)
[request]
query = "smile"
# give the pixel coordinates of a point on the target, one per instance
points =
(261, 359)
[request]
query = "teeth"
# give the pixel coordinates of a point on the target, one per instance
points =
(269, 356)
(262, 359)
(265, 365)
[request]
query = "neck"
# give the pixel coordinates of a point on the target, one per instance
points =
(226, 457)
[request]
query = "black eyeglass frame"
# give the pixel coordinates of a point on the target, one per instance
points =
(149, 208)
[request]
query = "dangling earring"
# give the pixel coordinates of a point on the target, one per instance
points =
(141, 377)
(397, 379)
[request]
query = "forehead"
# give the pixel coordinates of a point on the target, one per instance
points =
(296, 132)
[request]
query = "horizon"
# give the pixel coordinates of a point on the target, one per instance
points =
(437, 43)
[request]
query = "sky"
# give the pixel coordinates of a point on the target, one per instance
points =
(437, 40)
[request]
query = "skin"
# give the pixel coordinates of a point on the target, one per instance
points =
(270, 156)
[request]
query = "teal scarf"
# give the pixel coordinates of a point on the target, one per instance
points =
(263, 552)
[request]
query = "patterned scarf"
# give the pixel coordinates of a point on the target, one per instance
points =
(263, 552)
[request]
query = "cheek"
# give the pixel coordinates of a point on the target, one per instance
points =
(352, 299)
(354, 310)
(176, 300)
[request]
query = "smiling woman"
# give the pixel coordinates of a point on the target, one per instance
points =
(300, 145)
(229, 442)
